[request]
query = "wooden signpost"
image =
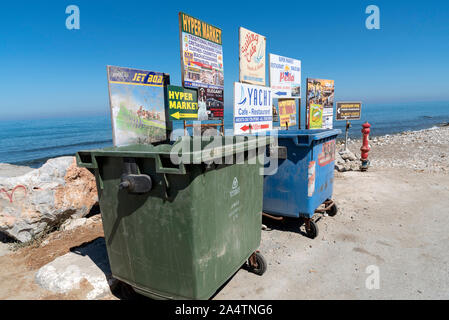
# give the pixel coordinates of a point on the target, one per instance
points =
(348, 111)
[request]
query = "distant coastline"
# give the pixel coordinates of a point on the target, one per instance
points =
(21, 166)
(32, 142)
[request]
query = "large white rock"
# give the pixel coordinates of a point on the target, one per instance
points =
(65, 273)
(45, 197)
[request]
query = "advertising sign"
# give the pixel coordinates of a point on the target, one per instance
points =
(202, 64)
(252, 57)
(182, 103)
(285, 77)
(315, 116)
(349, 110)
(137, 105)
(321, 93)
(287, 112)
(210, 103)
(275, 114)
(253, 108)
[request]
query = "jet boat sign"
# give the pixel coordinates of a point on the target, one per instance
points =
(253, 111)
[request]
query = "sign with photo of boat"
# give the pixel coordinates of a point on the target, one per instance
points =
(285, 76)
(321, 92)
(348, 111)
(202, 64)
(137, 105)
(253, 108)
(182, 103)
(287, 112)
(251, 57)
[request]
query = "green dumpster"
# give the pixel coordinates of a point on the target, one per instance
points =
(180, 230)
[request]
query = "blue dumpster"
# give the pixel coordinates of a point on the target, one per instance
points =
(304, 177)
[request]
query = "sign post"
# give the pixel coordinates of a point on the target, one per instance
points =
(251, 57)
(253, 108)
(320, 103)
(348, 111)
(202, 68)
(138, 113)
(182, 103)
(285, 82)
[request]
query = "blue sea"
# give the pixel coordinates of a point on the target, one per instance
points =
(32, 142)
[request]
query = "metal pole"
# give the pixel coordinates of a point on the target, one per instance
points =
(346, 135)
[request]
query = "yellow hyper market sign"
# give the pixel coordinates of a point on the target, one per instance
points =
(182, 103)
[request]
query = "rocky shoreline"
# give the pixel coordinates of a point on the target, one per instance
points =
(422, 151)
(35, 201)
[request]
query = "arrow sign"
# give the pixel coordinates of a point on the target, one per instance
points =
(244, 128)
(182, 103)
(281, 93)
(178, 115)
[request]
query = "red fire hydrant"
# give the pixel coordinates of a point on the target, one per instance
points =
(365, 147)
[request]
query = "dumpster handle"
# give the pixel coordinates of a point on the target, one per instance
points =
(161, 169)
(91, 162)
(91, 165)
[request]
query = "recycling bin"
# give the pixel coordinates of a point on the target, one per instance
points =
(304, 177)
(180, 229)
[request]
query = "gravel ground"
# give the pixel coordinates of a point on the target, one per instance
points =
(422, 151)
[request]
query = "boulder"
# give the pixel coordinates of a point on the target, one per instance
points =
(346, 161)
(348, 155)
(44, 198)
(66, 273)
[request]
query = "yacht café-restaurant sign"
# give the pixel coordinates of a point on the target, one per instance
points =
(253, 111)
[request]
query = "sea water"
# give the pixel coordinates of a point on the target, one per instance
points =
(32, 142)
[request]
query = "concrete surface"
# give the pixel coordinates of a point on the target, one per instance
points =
(394, 222)
(389, 240)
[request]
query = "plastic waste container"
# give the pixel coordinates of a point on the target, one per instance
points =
(304, 177)
(180, 231)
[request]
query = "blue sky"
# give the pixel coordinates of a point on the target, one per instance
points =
(48, 70)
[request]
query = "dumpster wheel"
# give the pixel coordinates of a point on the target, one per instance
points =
(311, 228)
(257, 263)
(332, 210)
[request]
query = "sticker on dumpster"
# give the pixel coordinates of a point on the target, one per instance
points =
(235, 188)
(235, 209)
(311, 176)
(327, 154)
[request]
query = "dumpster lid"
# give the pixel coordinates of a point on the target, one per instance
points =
(194, 149)
(304, 137)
